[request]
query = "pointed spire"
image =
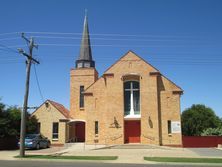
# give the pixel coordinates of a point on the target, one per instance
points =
(85, 56)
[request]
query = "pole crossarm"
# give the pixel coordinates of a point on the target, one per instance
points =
(29, 41)
(21, 51)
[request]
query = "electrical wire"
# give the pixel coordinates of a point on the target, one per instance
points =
(9, 33)
(107, 34)
(111, 39)
(183, 60)
(37, 81)
(6, 39)
(4, 50)
(8, 48)
(111, 45)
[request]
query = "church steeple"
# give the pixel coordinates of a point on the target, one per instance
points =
(85, 56)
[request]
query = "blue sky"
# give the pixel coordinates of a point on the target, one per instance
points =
(182, 39)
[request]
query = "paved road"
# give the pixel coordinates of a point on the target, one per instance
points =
(209, 152)
(81, 164)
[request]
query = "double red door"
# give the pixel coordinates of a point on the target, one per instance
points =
(132, 131)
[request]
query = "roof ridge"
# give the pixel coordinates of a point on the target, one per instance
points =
(63, 111)
(130, 51)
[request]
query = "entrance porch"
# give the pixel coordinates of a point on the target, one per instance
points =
(76, 131)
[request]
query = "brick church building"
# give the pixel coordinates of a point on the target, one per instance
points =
(132, 102)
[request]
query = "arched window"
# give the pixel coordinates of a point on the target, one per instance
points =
(131, 98)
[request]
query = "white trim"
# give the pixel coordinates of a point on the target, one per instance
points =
(76, 120)
(55, 139)
(128, 117)
(132, 116)
(128, 74)
(131, 90)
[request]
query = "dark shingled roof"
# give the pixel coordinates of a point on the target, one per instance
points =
(85, 50)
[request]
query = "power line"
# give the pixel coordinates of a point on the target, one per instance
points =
(109, 34)
(111, 45)
(151, 61)
(117, 46)
(6, 63)
(111, 39)
(158, 58)
(9, 48)
(97, 34)
(14, 59)
(6, 39)
(9, 33)
(37, 81)
(158, 61)
(168, 59)
(4, 50)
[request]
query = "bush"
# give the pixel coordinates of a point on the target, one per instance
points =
(197, 118)
(10, 120)
(212, 132)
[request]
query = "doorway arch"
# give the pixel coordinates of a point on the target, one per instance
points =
(77, 130)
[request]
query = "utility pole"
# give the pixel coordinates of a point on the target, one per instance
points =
(29, 61)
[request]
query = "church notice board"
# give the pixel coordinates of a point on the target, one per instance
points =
(175, 127)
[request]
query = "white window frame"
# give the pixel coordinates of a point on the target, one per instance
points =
(132, 112)
(53, 138)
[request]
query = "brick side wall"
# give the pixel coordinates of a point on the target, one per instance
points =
(80, 77)
(48, 115)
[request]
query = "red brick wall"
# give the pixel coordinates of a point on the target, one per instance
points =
(201, 141)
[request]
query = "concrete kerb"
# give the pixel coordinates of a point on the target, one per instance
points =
(126, 156)
(8, 155)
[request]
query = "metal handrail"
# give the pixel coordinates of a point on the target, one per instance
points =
(149, 137)
(113, 138)
(74, 139)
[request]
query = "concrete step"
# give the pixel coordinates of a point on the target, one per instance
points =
(74, 144)
(83, 146)
(134, 146)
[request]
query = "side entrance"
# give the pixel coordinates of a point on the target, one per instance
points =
(132, 131)
(80, 131)
(77, 131)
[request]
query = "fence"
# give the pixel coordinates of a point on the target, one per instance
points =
(201, 141)
(8, 143)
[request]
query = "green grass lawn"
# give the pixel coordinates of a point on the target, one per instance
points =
(186, 160)
(70, 157)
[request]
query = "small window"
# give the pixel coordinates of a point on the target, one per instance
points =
(55, 130)
(81, 97)
(96, 128)
(79, 65)
(87, 65)
(169, 126)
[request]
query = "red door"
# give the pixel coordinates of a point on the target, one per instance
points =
(132, 131)
(80, 131)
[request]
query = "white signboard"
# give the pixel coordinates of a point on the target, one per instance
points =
(175, 127)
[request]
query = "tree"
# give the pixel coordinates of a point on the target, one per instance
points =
(197, 118)
(10, 119)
